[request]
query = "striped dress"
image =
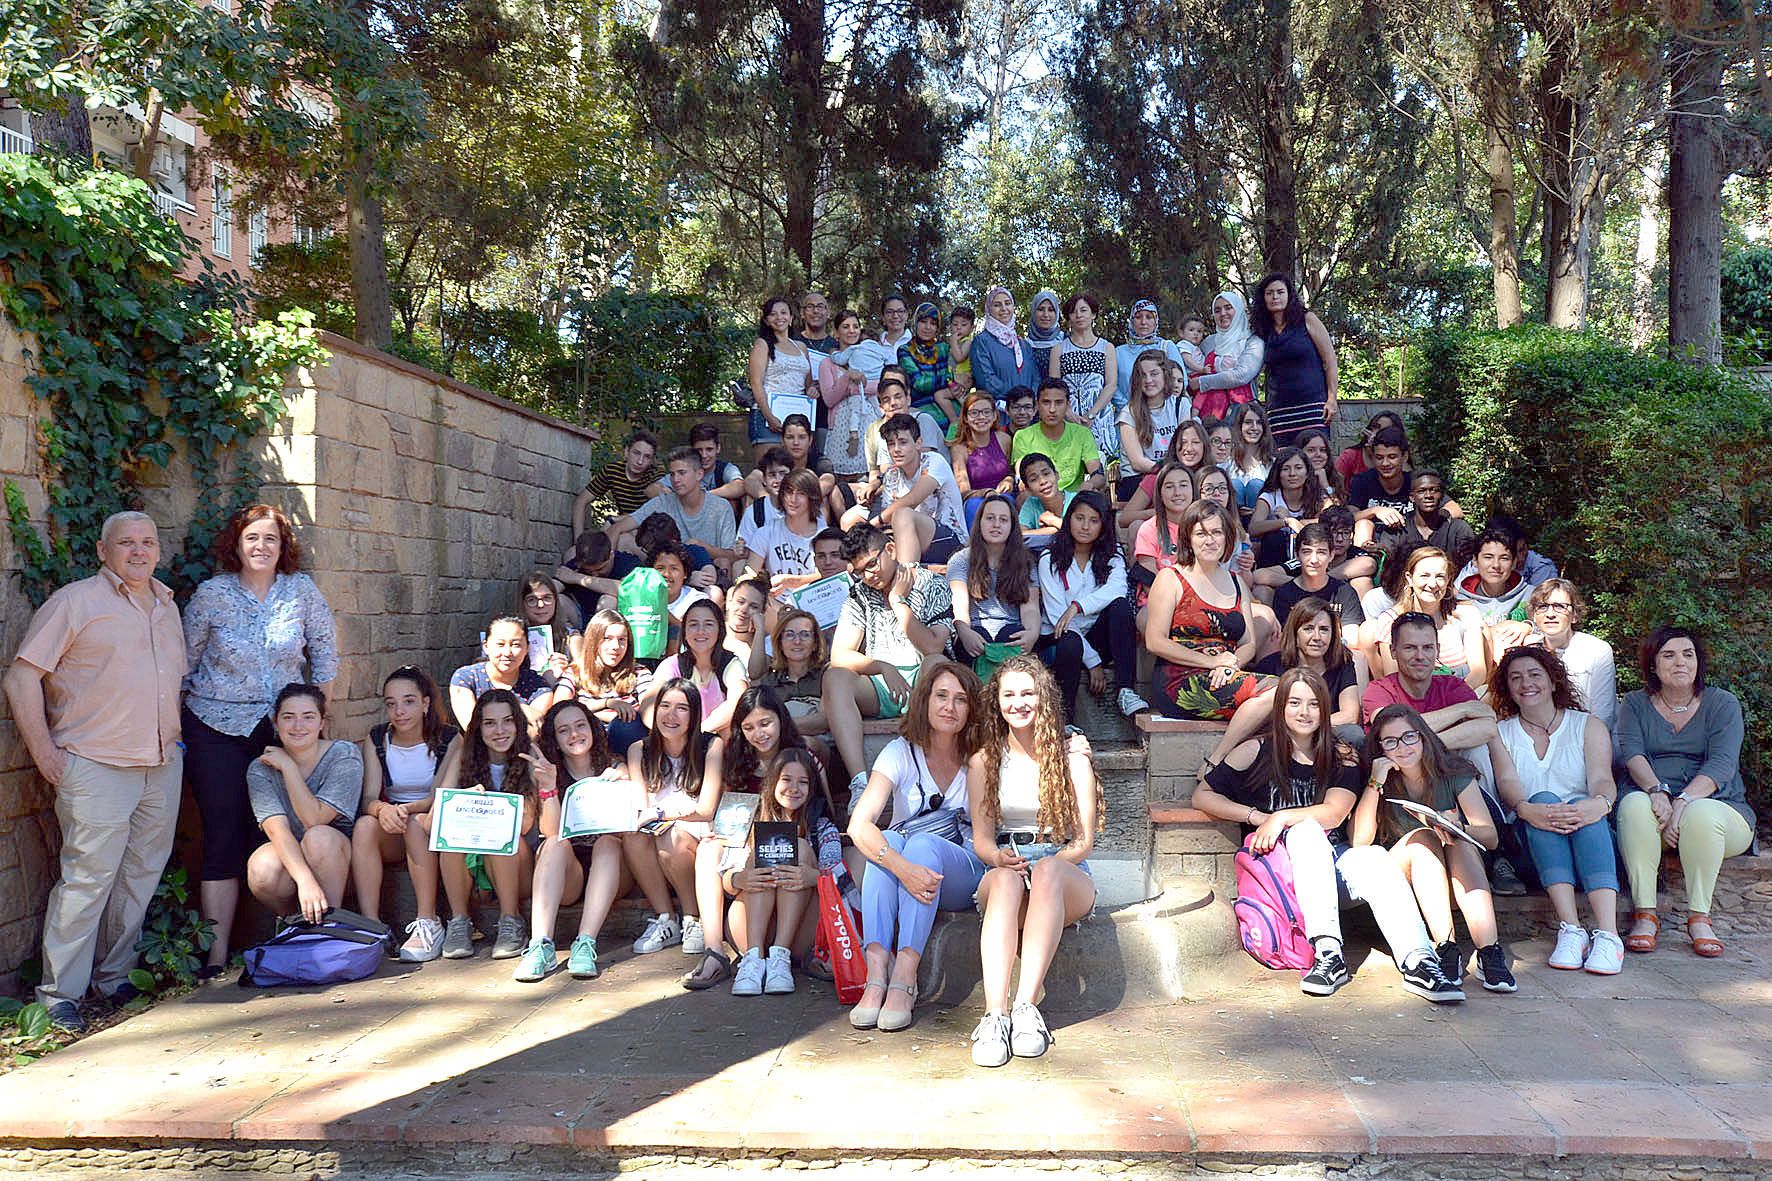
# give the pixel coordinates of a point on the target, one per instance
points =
(1297, 387)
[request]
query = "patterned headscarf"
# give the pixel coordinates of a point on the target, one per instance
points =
(1002, 331)
(1132, 337)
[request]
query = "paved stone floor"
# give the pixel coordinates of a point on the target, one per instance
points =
(1672, 1059)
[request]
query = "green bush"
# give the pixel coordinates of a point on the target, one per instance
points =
(1648, 480)
(1747, 291)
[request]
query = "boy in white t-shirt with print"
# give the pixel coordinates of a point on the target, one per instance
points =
(923, 504)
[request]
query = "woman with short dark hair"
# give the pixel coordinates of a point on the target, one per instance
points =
(1680, 741)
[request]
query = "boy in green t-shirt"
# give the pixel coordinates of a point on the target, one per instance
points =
(1071, 445)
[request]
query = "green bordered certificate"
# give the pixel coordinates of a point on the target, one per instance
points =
(486, 822)
(823, 599)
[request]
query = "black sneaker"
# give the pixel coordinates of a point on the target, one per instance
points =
(1492, 969)
(1425, 980)
(1451, 961)
(1504, 881)
(1329, 974)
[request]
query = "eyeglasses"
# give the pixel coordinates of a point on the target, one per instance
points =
(1559, 608)
(1406, 738)
(798, 634)
(538, 598)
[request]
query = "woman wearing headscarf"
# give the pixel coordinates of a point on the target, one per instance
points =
(1045, 329)
(1001, 357)
(1233, 354)
(929, 367)
(1141, 334)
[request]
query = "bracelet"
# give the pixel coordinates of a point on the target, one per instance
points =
(1250, 819)
(547, 793)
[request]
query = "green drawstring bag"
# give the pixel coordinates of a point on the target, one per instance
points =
(642, 602)
(993, 657)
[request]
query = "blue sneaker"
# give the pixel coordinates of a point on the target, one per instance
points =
(582, 962)
(538, 960)
(65, 1016)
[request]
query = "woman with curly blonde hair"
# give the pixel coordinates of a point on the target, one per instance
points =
(1035, 812)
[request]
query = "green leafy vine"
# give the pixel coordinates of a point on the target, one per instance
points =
(134, 363)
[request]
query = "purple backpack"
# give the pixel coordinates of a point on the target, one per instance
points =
(342, 946)
(1268, 919)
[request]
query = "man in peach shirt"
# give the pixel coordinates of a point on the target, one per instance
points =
(94, 694)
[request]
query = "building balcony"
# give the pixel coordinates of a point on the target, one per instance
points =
(168, 205)
(15, 142)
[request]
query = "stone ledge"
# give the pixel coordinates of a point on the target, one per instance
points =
(1152, 724)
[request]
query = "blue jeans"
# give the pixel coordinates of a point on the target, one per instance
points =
(1583, 856)
(887, 906)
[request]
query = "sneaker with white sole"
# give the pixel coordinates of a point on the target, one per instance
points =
(1606, 956)
(990, 1041)
(1328, 974)
(1028, 1035)
(748, 979)
(661, 932)
(1424, 978)
(424, 941)
(539, 959)
(458, 938)
(581, 962)
(695, 940)
(1571, 950)
(1492, 969)
(1131, 703)
(512, 938)
(778, 972)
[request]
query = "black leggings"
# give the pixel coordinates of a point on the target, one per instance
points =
(1115, 640)
(215, 767)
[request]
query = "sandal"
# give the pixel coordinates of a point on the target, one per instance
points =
(893, 1022)
(1708, 946)
(1644, 943)
(706, 976)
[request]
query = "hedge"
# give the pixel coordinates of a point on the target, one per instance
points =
(1649, 481)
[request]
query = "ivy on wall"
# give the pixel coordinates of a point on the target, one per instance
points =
(132, 363)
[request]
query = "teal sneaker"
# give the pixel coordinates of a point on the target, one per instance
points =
(538, 960)
(582, 963)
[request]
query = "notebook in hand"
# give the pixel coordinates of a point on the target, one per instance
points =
(776, 843)
(1434, 819)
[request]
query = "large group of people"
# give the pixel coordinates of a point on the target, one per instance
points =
(999, 519)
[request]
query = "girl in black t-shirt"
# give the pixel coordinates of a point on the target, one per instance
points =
(1295, 787)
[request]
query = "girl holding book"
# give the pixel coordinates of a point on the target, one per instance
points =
(1406, 762)
(574, 747)
(1294, 786)
(1035, 811)
(777, 892)
(494, 751)
(540, 607)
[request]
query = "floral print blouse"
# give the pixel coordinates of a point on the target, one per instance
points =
(242, 652)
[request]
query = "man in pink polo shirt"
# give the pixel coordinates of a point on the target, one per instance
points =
(1446, 703)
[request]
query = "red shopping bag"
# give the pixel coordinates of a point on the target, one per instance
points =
(839, 941)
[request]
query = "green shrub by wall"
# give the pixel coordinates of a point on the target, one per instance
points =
(1649, 482)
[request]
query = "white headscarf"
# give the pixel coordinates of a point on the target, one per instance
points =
(1002, 331)
(1231, 342)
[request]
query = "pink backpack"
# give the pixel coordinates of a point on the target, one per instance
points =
(1268, 919)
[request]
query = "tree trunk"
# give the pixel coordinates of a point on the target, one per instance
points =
(802, 65)
(1279, 180)
(369, 255)
(1642, 276)
(1562, 247)
(1695, 177)
(1504, 248)
(68, 131)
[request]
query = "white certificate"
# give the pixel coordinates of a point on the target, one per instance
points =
(595, 806)
(541, 646)
(485, 822)
(782, 405)
(824, 599)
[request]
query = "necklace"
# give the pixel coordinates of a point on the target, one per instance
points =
(1679, 709)
(1556, 715)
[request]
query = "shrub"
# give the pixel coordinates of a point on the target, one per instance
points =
(1747, 291)
(1648, 480)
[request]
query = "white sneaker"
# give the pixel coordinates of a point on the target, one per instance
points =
(990, 1041)
(1028, 1035)
(1571, 949)
(778, 973)
(1606, 957)
(1131, 703)
(695, 940)
(424, 941)
(748, 980)
(661, 932)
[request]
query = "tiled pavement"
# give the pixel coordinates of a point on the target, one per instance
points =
(1673, 1058)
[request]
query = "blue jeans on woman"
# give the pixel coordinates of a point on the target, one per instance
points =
(1584, 856)
(887, 907)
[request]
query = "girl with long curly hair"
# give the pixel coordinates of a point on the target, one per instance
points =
(1035, 812)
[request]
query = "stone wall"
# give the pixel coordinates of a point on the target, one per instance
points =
(419, 501)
